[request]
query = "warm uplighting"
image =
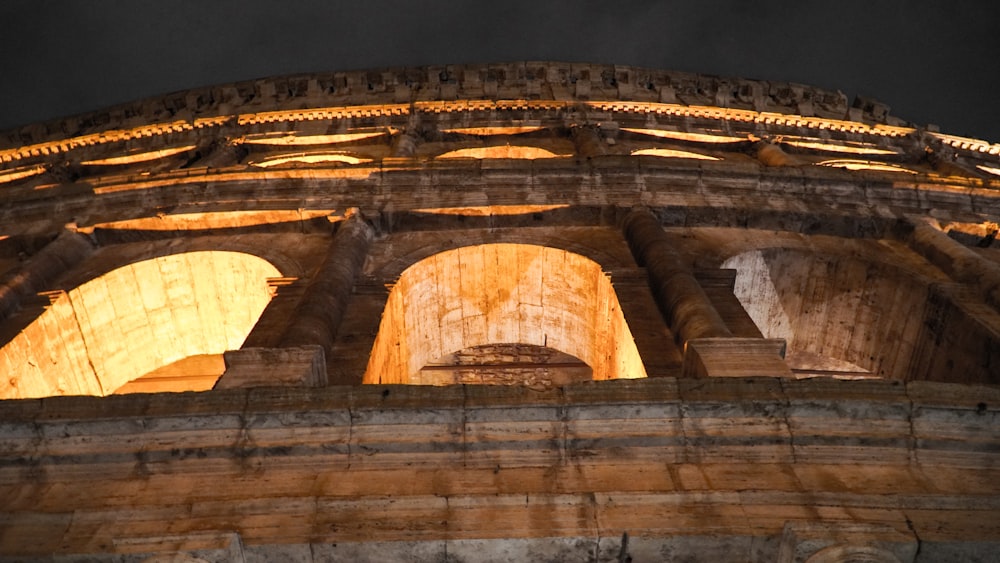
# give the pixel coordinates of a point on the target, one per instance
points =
(311, 158)
(502, 294)
(989, 169)
(138, 157)
(502, 151)
(487, 210)
(322, 114)
(966, 143)
(94, 139)
(193, 373)
(671, 153)
(20, 173)
(293, 139)
(685, 136)
(215, 220)
(99, 336)
(854, 148)
(488, 131)
(110, 185)
(865, 165)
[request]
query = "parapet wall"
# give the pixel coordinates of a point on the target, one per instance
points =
(528, 80)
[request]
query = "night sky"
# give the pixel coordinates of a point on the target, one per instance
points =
(932, 62)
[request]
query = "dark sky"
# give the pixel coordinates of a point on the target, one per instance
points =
(931, 61)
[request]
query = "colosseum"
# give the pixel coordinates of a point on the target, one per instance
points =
(534, 311)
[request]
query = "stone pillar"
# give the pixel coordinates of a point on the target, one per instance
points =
(67, 250)
(221, 154)
(710, 349)
(682, 300)
(588, 141)
(300, 358)
(962, 264)
(404, 145)
(319, 314)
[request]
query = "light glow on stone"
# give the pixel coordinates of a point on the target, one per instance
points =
(311, 158)
(487, 210)
(989, 169)
(876, 166)
(685, 136)
(672, 153)
(502, 151)
(488, 131)
(294, 139)
(138, 157)
(502, 294)
(95, 338)
(19, 173)
(833, 147)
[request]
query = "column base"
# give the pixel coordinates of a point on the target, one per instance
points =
(301, 366)
(735, 357)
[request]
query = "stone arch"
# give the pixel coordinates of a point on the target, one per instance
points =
(123, 324)
(120, 255)
(577, 240)
(502, 293)
(841, 314)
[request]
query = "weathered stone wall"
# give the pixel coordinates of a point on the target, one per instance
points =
(847, 256)
(735, 460)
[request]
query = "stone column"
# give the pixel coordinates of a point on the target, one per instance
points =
(404, 145)
(319, 314)
(963, 264)
(300, 358)
(710, 349)
(588, 141)
(682, 300)
(772, 155)
(67, 250)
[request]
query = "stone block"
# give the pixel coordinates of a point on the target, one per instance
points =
(735, 357)
(303, 366)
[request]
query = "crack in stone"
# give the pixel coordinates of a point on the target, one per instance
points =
(350, 433)
(788, 423)
(913, 434)
(913, 530)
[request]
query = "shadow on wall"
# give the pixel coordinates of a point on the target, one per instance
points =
(848, 317)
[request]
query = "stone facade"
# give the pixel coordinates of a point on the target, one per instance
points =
(532, 311)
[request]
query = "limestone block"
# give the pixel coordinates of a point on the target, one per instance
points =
(735, 357)
(303, 366)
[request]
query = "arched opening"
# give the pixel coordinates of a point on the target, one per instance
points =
(490, 302)
(500, 151)
(841, 316)
(137, 320)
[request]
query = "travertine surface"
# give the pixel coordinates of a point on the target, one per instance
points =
(806, 329)
(739, 460)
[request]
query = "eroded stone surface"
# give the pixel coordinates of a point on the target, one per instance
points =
(780, 213)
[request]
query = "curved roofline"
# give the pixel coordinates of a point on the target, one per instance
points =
(533, 80)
